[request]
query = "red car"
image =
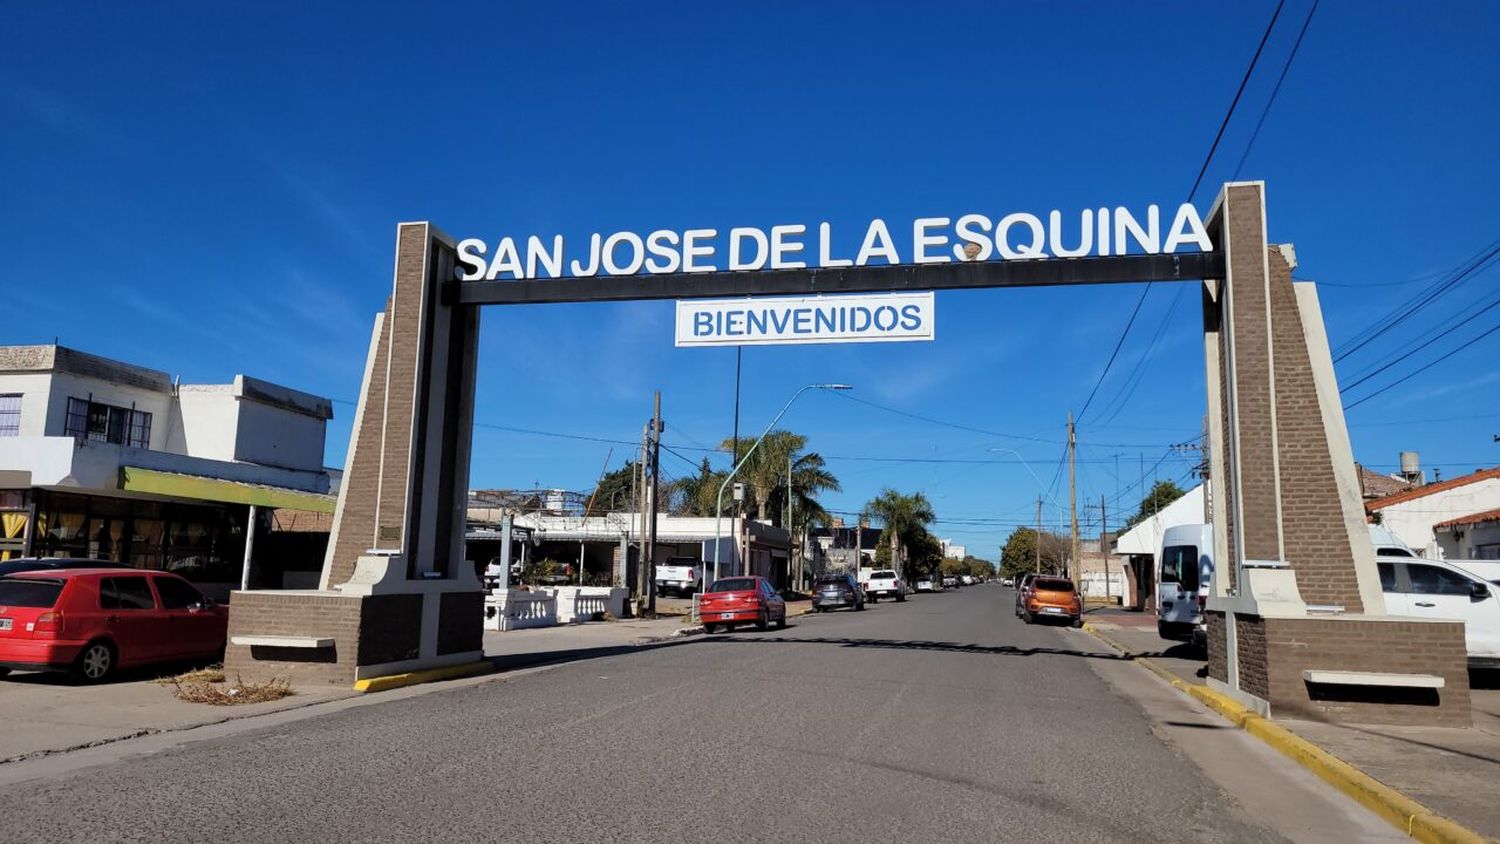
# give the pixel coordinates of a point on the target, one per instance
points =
(737, 600)
(90, 622)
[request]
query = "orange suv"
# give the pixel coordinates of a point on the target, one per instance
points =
(1052, 597)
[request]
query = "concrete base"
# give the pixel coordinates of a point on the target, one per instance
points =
(1273, 653)
(381, 625)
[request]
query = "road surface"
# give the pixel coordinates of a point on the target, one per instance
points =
(940, 719)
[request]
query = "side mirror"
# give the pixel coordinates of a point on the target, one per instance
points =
(1478, 591)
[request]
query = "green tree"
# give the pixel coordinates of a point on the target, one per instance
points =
(1019, 554)
(697, 495)
(904, 518)
(1162, 494)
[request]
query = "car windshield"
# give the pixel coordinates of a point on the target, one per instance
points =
(734, 584)
(29, 592)
(884, 574)
(1047, 584)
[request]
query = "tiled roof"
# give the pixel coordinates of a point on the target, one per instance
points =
(1471, 519)
(1429, 489)
(1372, 484)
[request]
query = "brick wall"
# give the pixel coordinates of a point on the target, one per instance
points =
(405, 319)
(275, 614)
(390, 628)
(1250, 647)
(1244, 229)
(460, 622)
(1218, 657)
(1355, 644)
(1317, 546)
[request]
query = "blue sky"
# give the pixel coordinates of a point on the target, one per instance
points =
(210, 190)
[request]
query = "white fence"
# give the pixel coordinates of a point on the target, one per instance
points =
(515, 609)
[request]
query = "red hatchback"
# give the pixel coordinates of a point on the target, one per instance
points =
(741, 600)
(90, 622)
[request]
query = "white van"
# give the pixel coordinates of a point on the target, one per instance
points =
(1184, 566)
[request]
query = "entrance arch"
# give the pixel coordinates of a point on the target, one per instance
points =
(1296, 589)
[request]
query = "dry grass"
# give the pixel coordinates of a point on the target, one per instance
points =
(208, 674)
(230, 694)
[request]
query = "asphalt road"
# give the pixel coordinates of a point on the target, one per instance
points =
(940, 719)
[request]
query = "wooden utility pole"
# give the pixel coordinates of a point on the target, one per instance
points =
(651, 492)
(1104, 544)
(1073, 500)
(792, 552)
(643, 586)
(1038, 534)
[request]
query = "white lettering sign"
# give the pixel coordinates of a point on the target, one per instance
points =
(874, 318)
(933, 240)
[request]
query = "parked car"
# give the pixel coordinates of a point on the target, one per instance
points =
(92, 621)
(1052, 597)
(737, 600)
(683, 575)
(883, 583)
(1434, 589)
(21, 564)
(967, 579)
(924, 584)
(837, 590)
(1022, 586)
(950, 582)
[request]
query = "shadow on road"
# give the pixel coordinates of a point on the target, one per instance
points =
(920, 645)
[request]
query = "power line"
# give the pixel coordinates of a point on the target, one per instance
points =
(1270, 101)
(1405, 354)
(1430, 364)
(1467, 269)
(1219, 136)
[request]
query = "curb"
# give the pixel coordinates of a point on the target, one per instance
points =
(412, 678)
(1416, 820)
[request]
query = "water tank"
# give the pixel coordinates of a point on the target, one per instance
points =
(1410, 463)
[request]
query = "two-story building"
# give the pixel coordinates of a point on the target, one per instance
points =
(107, 460)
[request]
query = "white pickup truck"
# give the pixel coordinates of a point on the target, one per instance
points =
(682, 575)
(881, 583)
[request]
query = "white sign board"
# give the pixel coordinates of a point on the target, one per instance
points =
(872, 318)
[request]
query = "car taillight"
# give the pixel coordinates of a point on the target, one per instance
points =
(753, 600)
(49, 623)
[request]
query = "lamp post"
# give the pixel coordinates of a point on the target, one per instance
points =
(719, 504)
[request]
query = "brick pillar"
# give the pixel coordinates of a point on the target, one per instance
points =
(1296, 586)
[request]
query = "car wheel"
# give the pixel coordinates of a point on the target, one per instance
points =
(762, 622)
(710, 629)
(1077, 622)
(900, 599)
(781, 622)
(94, 663)
(874, 599)
(1027, 617)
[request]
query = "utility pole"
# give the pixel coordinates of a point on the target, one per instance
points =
(642, 568)
(1073, 499)
(651, 492)
(797, 576)
(1038, 534)
(1103, 544)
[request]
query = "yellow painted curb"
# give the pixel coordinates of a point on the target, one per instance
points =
(412, 678)
(1418, 821)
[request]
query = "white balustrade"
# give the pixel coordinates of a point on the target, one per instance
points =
(515, 609)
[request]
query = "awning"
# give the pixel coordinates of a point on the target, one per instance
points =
(202, 488)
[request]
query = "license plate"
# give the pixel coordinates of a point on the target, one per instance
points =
(1051, 610)
(4, 624)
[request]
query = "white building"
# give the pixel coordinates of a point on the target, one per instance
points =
(957, 552)
(1414, 515)
(1140, 545)
(100, 458)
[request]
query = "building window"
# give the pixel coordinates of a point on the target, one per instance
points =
(105, 423)
(10, 415)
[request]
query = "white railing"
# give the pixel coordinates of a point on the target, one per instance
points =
(514, 609)
(587, 603)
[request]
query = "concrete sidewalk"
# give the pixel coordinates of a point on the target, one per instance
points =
(1451, 771)
(44, 713)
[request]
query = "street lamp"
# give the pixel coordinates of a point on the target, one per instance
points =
(719, 505)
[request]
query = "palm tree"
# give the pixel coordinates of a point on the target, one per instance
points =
(900, 515)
